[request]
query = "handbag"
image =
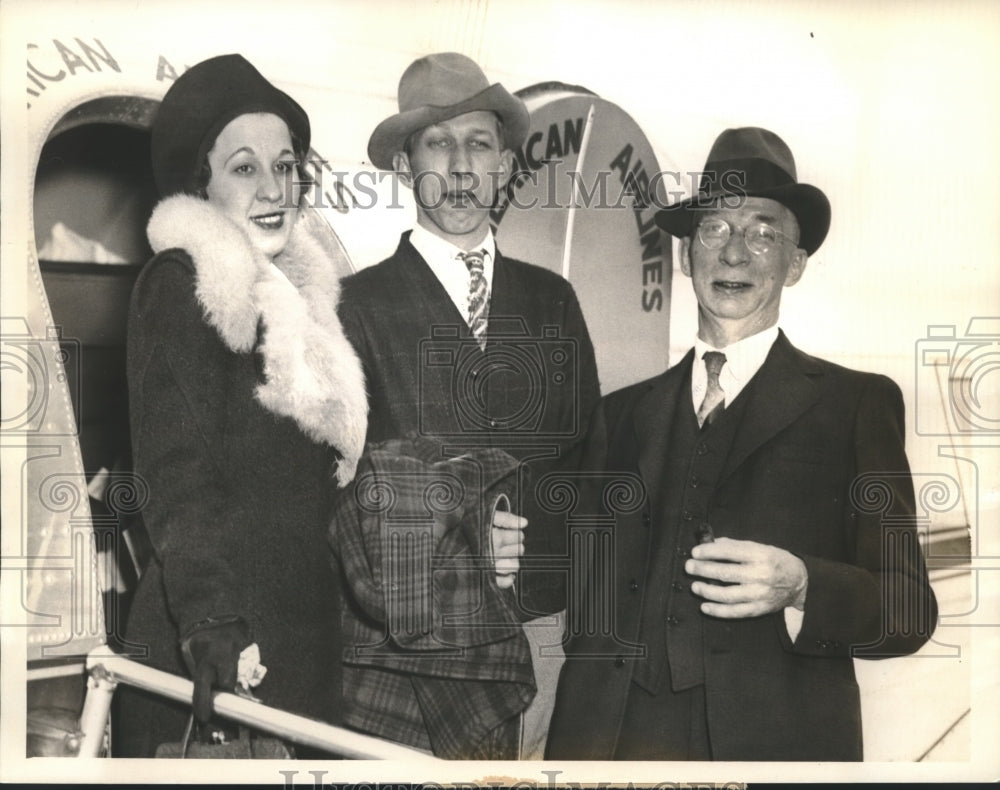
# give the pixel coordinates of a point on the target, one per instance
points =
(249, 745)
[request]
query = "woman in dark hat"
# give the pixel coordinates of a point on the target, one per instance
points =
(247, 405)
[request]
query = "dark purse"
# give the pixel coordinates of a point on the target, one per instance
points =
(249, 745)
(217, 639)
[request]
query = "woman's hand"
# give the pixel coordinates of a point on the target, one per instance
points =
(211, 650)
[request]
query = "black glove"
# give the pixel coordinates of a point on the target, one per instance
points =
(211, 650)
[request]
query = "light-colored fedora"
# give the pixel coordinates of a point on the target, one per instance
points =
(442, 86)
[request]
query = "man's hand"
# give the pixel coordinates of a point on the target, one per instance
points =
(761, 578)
(508, 545)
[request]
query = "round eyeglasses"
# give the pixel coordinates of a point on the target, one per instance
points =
(759, 236)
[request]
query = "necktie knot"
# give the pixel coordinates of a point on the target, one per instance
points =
(474, 261)
(714, 360)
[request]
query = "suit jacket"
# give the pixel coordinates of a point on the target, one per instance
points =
(530, 394)
(413, 342)
(816, 467)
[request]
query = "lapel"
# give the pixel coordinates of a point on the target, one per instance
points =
(503, 302)
(311, 373)
(421, 287)
(778, 395)
(651, 422)
(509, 306)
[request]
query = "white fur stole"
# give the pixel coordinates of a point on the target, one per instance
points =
(312, 373)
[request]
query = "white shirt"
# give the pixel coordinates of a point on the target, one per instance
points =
(443, 258)
(743, 359)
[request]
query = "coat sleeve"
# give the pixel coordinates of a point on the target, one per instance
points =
(588, 389)
(881, 604)
(178, 389)
(540, 591)
(353, 325)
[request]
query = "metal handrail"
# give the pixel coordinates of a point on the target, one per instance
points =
(108, 669)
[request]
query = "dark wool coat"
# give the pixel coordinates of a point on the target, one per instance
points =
(247, 408)
(817, 467)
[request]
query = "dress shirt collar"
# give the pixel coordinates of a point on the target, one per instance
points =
(743, 359)
(450, 270)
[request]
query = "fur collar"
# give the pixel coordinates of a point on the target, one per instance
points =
(312, 373)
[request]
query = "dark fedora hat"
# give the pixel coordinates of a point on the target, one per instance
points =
(753, 162)
(442, 86)
(198, 106)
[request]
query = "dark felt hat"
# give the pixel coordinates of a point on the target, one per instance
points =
(198, 106)
(753, 162)
(442, 86)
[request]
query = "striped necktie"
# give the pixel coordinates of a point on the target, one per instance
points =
(715, 399)
(478, 295)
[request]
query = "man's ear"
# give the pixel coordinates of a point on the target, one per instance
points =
(685, 254)
(401, 164)
(508, 162)
(797, 267)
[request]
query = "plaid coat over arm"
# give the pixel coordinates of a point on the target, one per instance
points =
(435, 656)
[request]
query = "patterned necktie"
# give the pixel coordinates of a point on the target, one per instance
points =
(478, 293)
(715, 398)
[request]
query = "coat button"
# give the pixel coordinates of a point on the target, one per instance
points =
(619, 661)
(646, 519)
(633, 585)
(673, 620)
(695, 481)
(677, 587)
(494, 423)
(680, 551)
(687, 515)
(702, 449)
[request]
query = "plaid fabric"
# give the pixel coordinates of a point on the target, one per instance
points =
(435, 656)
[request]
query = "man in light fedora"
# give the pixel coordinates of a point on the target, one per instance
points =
(777, 539)
(463, 344)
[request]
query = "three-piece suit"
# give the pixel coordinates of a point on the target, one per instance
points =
(808, 458)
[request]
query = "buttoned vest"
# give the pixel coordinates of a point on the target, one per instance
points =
(672, 624)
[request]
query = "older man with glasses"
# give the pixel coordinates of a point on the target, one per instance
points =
(777, 539)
